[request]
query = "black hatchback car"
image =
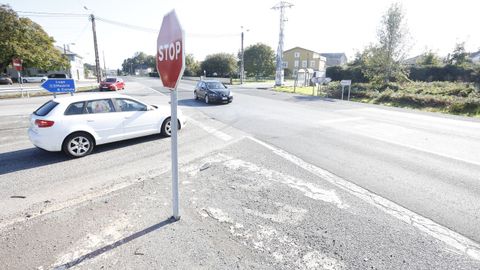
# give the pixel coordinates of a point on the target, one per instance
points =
(212, 91)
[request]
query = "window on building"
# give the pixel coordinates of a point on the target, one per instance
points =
(297, 55)
(304, 63)
(312, 64)
(285, 64)
(296, 63)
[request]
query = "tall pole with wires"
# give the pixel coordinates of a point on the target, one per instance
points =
(97, 60)
(242, 65)
(279, 65)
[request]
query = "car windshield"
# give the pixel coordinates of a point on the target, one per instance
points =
(215, 85)
(111, 80)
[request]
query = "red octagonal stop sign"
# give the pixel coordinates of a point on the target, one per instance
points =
(170, 51)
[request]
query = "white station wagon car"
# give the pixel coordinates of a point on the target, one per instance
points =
(76, 124)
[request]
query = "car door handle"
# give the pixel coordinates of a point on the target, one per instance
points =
(90, 121)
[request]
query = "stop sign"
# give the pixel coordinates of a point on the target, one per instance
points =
(170, 51)
(17, 64)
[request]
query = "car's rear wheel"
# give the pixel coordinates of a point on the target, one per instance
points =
(42, 80)
(24, 81)
(78, 144)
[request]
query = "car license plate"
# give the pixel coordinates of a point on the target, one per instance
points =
(224, 98)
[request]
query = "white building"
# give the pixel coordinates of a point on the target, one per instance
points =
(76, 70)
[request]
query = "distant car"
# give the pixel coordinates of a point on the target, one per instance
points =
(58, 76)
(38, 78)
(4, 79)
(76, 124)
(112, 84)
(212, 91)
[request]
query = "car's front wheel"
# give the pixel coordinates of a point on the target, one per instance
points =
(24, 81)
(195, 95)
(207, 100)
(166, 129)
(78, 144)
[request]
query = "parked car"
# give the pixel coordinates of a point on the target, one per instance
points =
(37, 78)
(112, 83)
(58, 76)
(212, 91)
(4, 79)
(76, 124)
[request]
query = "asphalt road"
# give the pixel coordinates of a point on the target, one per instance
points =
(419, 168)
(426, 162)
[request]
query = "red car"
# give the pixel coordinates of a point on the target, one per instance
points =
(112, 84)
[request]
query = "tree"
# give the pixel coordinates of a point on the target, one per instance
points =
(459, 57)
(220, 64)
(259, 60)
(384, 60)
(430, 59)
(192, 67)
(139, 60)
(25, 39)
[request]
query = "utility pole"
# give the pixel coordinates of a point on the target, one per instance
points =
(242, 65)
(97, 60)
(279, 65)
(104, 65)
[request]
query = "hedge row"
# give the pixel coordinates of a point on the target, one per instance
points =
(455, 98)
(447, 73)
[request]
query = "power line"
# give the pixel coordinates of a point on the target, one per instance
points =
(53, 14)
(135, 27)
(120, 24)
(151, 30)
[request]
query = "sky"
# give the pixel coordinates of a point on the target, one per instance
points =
(213, 26)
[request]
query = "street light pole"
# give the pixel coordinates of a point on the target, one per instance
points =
(104, 65)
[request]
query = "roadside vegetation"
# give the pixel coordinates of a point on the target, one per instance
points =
(380, 74)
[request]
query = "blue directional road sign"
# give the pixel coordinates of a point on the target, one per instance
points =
(59, 85)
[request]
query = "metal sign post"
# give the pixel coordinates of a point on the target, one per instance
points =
(17, 64)
(174, 145)
(170, 63)
(344, 83)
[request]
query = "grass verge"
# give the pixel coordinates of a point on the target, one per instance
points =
(446, 97)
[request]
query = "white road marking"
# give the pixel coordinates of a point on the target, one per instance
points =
(213, 131)
(309, 190)
(449, 237)
(339, 120)
(156, 91)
